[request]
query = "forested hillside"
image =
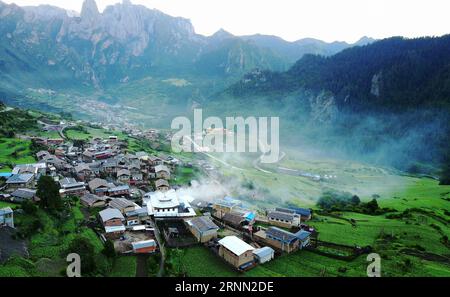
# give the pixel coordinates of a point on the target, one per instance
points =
(391, 93)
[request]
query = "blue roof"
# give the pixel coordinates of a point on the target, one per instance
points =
(302, 234)
(280, 234)
(5, 174)
(19, 178)
(250, 216)
(301, 211)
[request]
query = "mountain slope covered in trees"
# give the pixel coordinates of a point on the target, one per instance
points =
(392, 94)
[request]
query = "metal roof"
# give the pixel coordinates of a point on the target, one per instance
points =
(6, 210)
(203, 224)
(160, 168)
(111, 229)
(301, 211)
(20, 178)
(264, 252)
(82, 167)
(161, 183)
(233, 218)
(280, 234)
(286, 210)
(97, 183)
(281, 215)
(143, 244)
(119, 188)
(120, 203)
(235, 245)
(302, 235)
(123, 172)
(24, 193)
(110, 213)
(91, 198)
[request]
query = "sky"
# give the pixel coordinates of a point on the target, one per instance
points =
(328, 20)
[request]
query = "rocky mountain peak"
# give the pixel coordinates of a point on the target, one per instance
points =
(365, 40)
(222, 34)
(89, 11)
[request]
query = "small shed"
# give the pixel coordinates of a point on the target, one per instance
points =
(144, 247)
(264, 254)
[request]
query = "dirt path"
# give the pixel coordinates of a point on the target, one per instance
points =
(141, 266)
(162, 250)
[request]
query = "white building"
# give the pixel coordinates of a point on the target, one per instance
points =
(168, 204)
(264, 254)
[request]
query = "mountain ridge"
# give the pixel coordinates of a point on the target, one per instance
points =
(127, 40)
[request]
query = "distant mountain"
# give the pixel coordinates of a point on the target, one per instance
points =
(390, 74)
(51, 47)
(293, 51)
(393, 93)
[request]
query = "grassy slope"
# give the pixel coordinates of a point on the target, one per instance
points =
(124, 266)
(10, 145)
(48, 247)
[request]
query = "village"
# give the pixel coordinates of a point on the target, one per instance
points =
(140, 212)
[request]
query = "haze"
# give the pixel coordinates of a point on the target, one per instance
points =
(328, 20)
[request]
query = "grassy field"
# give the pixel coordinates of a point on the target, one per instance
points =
(201, 262)
(91, 133)
(7, 204)
(124, 266)
(198, 261)
(14, 151)
(411, 244)
(184, 175)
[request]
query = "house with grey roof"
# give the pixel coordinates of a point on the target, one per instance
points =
(69, 186)
(122, 204)
(283, 219)
(162, 185)
(21, 195)
(111, 217)
(162, 171)
(234, 219)
(20, 181)
(119, 191)
(264, 254)
(137, 216)
(279, 239)
(98, 186)
(203, 228)
(84, 172)
(304, 237)
(91, 200)
(41, 154)
(112, 220)
(124, 175)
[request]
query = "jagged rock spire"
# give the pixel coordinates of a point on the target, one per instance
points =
(89, 11)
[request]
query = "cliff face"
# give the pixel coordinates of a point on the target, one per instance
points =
(125, 40)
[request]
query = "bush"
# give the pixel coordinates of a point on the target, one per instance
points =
(109, 250)
(29, 207)
(83, 247)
